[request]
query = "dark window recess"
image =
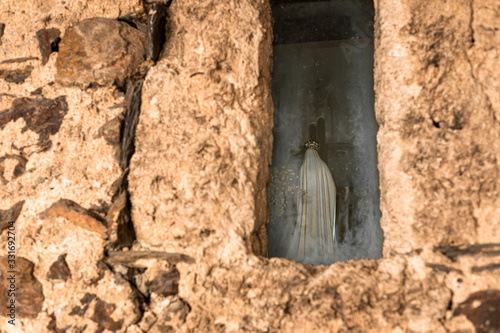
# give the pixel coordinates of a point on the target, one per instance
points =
(323, 90)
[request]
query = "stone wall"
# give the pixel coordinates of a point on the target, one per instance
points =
(195, 186)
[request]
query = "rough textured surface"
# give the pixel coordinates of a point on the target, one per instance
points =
(198, 177)
(75, 214)
(17, 75)
(42, 116)
(48, 42)
(10, 215)
(166, 283)
(100, 51)
(28, 290)
(218, 106)
(78, 166)
(482, 308)
(59, 270)
(12, 166)
(442, 123)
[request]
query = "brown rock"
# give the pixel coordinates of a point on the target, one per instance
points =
(48, 40)
(42, 115)
(59, 270)
(2, 30)
(172, 317)
(76, 215)
(102, 315)
(111, 131)
(52, 326)
(17, 75)
(19, 169)
(121, 228)
(128, 258)
(137, 20)
(10, 214)
(166, 283)
(101, 51)
(37, 92)
(483, 309)
(85, 301)
(18, 60)
(454, 252)
(28, 290)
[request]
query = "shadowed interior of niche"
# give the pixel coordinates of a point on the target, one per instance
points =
(323, 90)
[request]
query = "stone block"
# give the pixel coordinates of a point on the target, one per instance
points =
(99, 51)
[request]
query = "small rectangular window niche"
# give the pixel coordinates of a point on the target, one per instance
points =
(323, 92)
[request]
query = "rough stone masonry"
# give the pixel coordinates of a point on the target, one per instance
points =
(197, 178)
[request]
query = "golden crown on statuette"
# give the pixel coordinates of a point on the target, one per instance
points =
(312, 144)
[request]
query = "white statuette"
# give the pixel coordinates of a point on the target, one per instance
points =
(314, 234)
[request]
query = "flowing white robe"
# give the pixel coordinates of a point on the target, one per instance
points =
(314, 234)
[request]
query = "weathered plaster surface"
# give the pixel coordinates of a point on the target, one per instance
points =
(78, 166)
(436, 110)
(197, 179)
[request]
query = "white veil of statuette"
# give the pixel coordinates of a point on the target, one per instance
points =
(314, 234)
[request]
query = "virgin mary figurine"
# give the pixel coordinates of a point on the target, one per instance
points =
(314, 234)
